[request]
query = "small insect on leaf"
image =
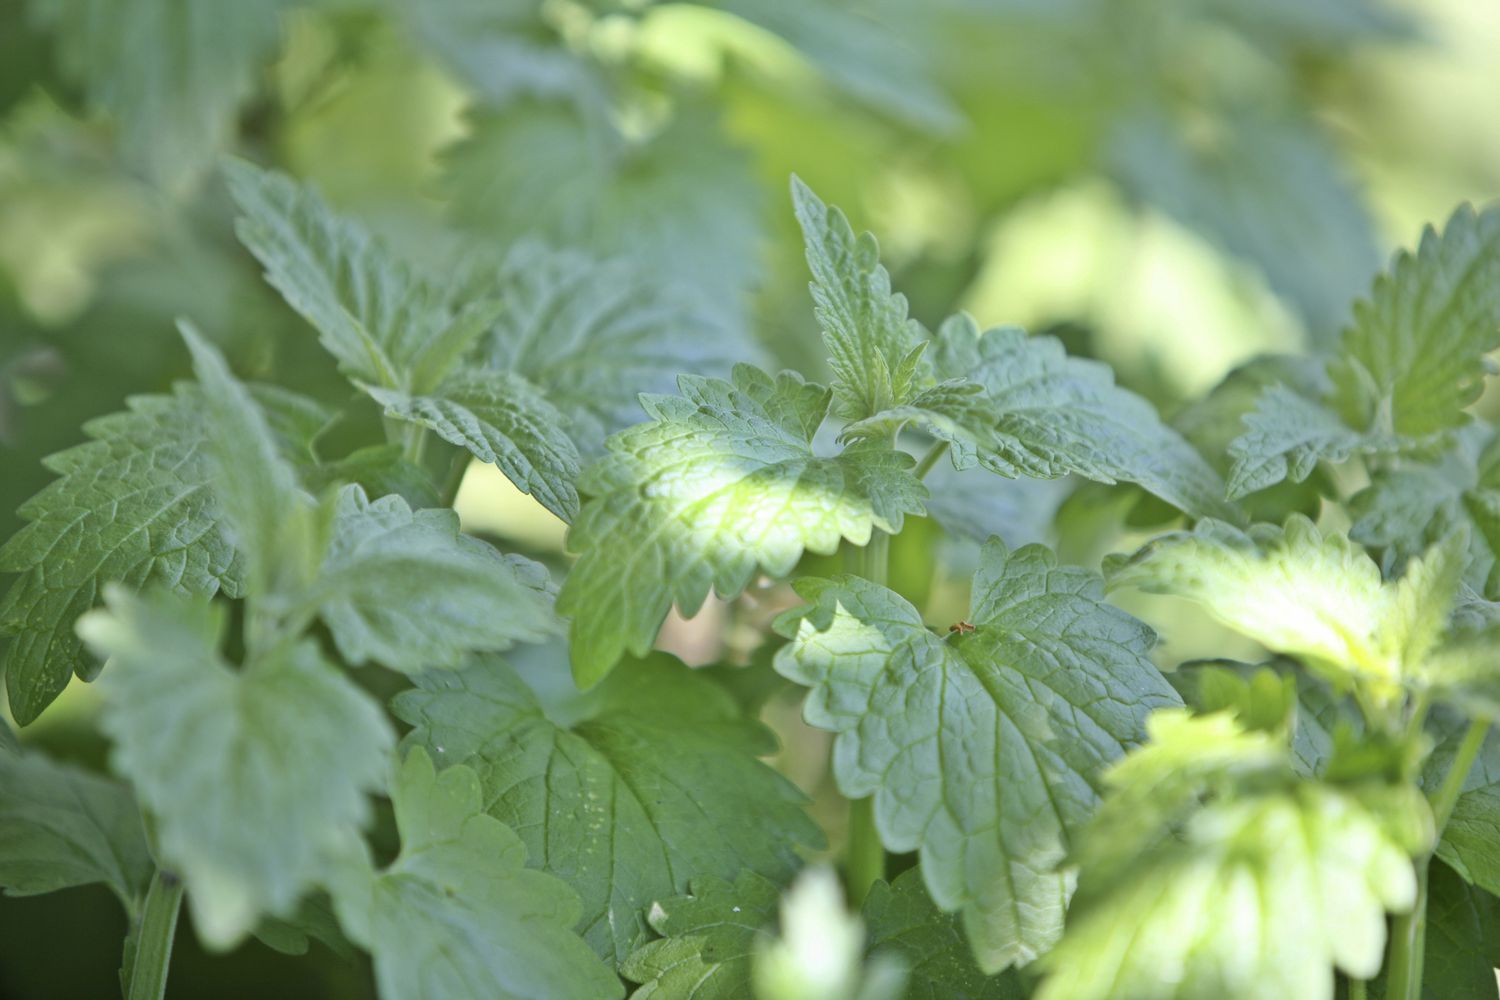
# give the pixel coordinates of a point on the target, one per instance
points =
(961, 628)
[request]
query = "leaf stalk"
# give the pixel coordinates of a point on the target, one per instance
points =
(152, 944)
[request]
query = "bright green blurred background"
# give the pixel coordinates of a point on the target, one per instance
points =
(1170, 185)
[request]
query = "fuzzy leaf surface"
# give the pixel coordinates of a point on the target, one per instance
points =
(720, 483)
(874, 347)
(62, 826)
(135, 505)
(458, 915)
(171, 72)
(404, 588)
(624, 792)
(251, 774)
(983, 750)
(504, 420)
(708, 940)
(1019, 406)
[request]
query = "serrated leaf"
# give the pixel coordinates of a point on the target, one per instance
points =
(648, 780)
(1213, 422)
(1262, 897)
(1415, 354)
(266, 514)
(1410, 504)
(61, 826)
(874, 347)
(405, 589)
(1297, 590)
(1051, 685)
(1287, 435)
(902, 921)
(458, 914)
(1155, 789)
(1030, 410)
(171, 72)
(371, 312)
(683, 202)
(708, 940)
(720, 484)
(250, 774)
(135, 505)
(595, 333)
(503, 419)
(1410, 363)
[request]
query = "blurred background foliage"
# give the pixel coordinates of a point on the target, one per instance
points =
(1173, 186)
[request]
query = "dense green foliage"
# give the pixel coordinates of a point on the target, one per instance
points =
(487, 523)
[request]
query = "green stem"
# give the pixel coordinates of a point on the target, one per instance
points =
(864, 855)
(416, 444)
(455, 479)
(930, 459)
(1359, 989)
(875, 558)
(1453, 781)
(1408, 938)
(153, 938)
(1409, 932)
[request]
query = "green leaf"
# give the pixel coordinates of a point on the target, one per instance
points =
(817, 950)
(1468, 843)
(502, 50)
(370, 311)
(1287, 435)
(171, 72)
(972, 508)
(1263, 896)
(1410, 363)
(266, 514)
(708, 940)
(61, 826)
(874, 348)
(1269, 190)
(1155, 789)
(380, 470)
(1212, 423)
(902, 921)
(1030, 410)
(1415, 355)
(458, 914)
(1463, 940)
(405, 589)
(624, 793)
(1409, 505)
(713, 938)
(720, 484)
(134, 505)
(865, 49)
(1298, 591)
(595, 333)
(502, 419)
(1051, 685)
(249, 774)
(682, 202)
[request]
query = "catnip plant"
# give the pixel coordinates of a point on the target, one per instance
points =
(335, 715)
